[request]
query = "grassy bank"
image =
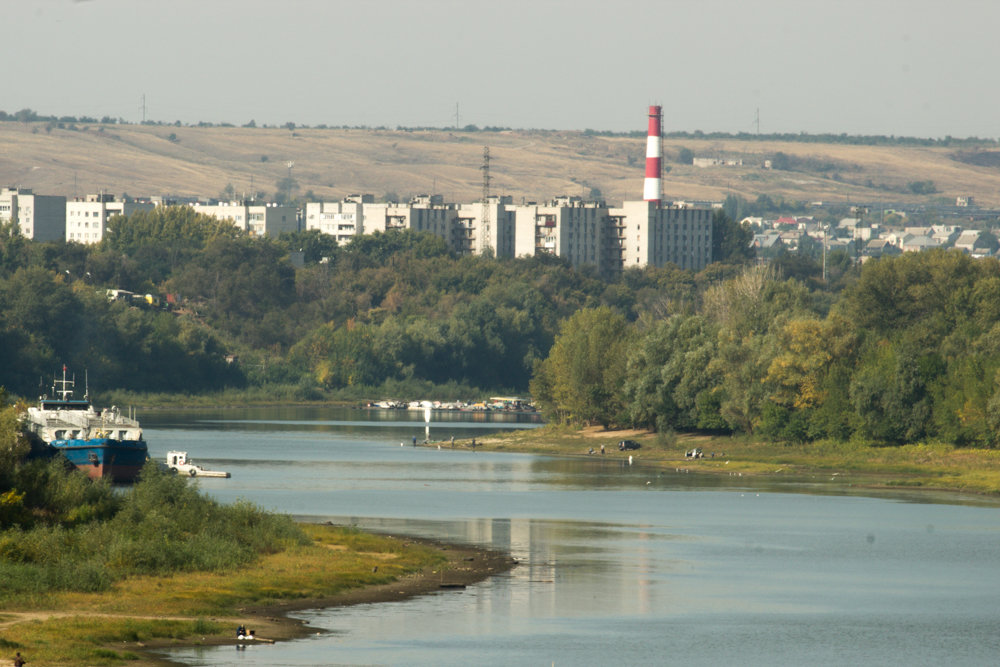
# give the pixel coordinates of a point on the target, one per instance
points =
(920, 466)
(92, 575)
(340, 565)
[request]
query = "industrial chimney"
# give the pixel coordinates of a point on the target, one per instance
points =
(651, 191)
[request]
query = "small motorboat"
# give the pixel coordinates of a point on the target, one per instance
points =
(182, 465)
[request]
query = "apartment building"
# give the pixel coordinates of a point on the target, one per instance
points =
(423, 213)
(87, 217)
(485, 228)
(636, 234)
(255, 219)
(461, 226)
(646, 234)
(343, 219)
(567, 227)
(38, 217)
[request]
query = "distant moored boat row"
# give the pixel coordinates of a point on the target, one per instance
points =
(497, 403)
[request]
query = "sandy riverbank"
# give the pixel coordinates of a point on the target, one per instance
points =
(466, 565)
(925, 467)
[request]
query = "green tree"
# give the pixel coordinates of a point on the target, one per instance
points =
(285, 190)
(346, 356)
(735, 207)
(667, 370)
(42, 321)
(890, 395)
(582, 378)
(797, 265)
(13, 445)
(14, 248)
(922, 187)
(781, 161)
(928, 293)
(314, 244)
(246, 284)
(750, 311)
(965, 401)
(731, 241)
(25, 115)
(808, 347)
(160, 241)
(380, 247)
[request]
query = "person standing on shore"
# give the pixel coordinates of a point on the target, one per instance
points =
(18, 660)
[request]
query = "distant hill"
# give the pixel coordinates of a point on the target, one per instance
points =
(143, 160)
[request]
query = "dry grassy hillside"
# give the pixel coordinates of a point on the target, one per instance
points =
(534, 165)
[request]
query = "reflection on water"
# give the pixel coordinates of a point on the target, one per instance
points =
(619, 564)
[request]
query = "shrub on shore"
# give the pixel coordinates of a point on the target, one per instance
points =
(67, 533)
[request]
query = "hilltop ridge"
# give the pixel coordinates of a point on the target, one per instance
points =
(533, 165)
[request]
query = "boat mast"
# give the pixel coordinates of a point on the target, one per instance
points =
(65, 387)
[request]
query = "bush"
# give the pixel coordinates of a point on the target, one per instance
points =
(85, 536)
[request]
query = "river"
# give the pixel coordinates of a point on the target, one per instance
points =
(619, 564)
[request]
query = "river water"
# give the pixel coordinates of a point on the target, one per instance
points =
(619, 564)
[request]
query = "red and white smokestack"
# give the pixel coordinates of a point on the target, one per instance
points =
(652, 189)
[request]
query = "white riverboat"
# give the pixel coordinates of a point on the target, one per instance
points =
(101, 443)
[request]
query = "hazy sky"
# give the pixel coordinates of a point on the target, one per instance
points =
(903, 67)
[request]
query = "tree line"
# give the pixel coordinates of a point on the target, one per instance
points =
(28, 115)
(386, 312)
(897, 350)
(907, 351)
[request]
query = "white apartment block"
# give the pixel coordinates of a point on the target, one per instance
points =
(38, 217)
(636, 234)
(424, 213)
(343, 219)
(254, 219)
(648, 235)
(567, 227)
(87, 218)
(461, 226)
(485, 228)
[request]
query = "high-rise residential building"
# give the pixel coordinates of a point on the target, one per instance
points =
(635, 234)
(87, 217)
(343, 219)
(485, 228)
(38, 217)
(566, 227)
(255, 219)
(648, 234)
